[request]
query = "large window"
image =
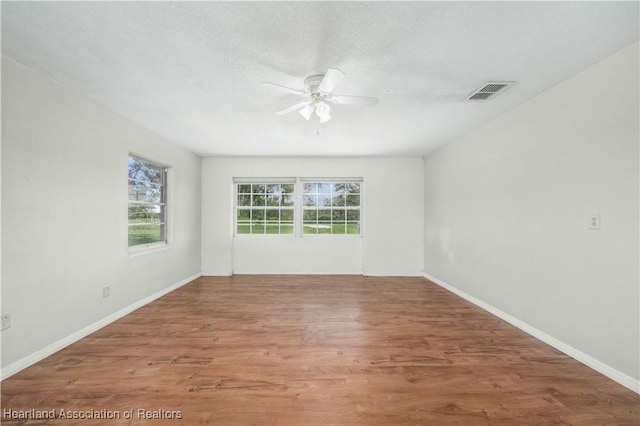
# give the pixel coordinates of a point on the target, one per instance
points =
(298, 206)
(331, 208)
(264, 208)
(147, 202)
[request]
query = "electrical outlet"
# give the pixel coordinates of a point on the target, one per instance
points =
(106, 291)
(594, 221)
(6, 321)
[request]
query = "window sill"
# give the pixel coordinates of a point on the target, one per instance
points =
(147, 249)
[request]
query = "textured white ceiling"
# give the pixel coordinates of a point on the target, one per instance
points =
(191, 71)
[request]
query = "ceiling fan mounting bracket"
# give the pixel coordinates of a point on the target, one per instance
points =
(312, 86)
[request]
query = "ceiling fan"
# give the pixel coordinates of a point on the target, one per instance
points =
(318, 91)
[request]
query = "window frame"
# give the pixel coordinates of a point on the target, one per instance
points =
(163, 204)
(237, 182)
(299, 207)
(331, 208)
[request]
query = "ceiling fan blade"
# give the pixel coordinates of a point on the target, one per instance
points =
(293, 108)
(307, 111)
(353, 100)
(285, 88)
(331, 79)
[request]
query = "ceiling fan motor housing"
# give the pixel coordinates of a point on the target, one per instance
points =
(312, 87)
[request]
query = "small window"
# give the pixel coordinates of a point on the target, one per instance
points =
(147, 202)
(331, 208)
(265, 208)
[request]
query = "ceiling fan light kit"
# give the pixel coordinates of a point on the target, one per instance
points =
(318, 91)
(306, 111)
(322, 109)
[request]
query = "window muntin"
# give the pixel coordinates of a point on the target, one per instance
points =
(147, 202)
(265, 208)
(331, 207)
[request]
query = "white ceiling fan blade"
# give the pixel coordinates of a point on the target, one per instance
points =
(353, 100)
(307, 111)
(293, 108)
(331, 79)
(285, 88)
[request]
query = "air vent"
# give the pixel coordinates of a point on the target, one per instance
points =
(489, 89)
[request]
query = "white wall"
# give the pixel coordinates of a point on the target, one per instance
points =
(506, 211)
(392, 219)
(64, 213)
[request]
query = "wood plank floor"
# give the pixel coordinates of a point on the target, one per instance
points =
(315, 350)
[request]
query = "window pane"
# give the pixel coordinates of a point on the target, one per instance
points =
(324, 215)
(244, 214)
(310, 229)
(272, 228)
(272, 188)
(338, 228)
(244, 199)
(145, 234)
(287, 188)
(337, 215)
(257, 215)
(273, 216)
(144, 213)
(324, 228)
(310, 188)
(324, 200)
(258, 200)
(353, 200)
(324, 187)
(339, 200)
(353, 214)
(287, 200)
(338, 188)
(244, 221)
(273, 200)
(353, 227)
(286, 229)
(310, 215)
(257, 228)
(353, 188)
(145, 191)
(310, 200)
(258, 188)
(286, 215)
(244, 189)
(143, 170)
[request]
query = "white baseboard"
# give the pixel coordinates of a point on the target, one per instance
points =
(359, 273)
(29, 360)
(625, 380)
(216, 274)
(408, 274)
